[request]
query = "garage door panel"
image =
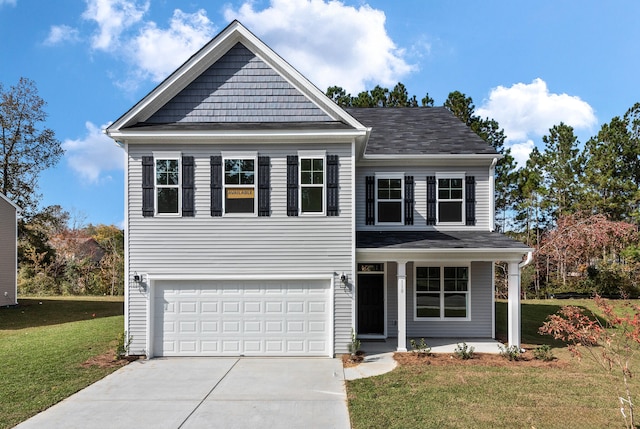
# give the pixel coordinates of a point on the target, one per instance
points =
(242, 318)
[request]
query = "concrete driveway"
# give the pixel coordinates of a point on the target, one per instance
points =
(208, 393)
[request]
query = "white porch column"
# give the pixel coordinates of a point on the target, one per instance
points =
(402, 306)
(513, 318)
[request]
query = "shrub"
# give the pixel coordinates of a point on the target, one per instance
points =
(543, 353)
(354, 345)
(421, 347)
(463, 351)
(510, 352)
(122, 348)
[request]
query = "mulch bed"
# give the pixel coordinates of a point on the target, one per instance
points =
(484, 359)
(107, 360)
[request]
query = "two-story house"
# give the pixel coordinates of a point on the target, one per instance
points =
(263, 219)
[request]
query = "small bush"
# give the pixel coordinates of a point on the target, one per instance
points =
(421, 347)
(543, 353)
(354, 345)
(122, 348)
(510, 352)
(463, 351)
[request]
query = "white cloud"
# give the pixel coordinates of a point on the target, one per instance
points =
(328, 42)
(113, 17)
(521, 151)
(528, 111)
(93, 154)
(8, 2)
(60, 34)
(157, 52)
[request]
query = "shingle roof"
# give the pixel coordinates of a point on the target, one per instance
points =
(418, 131)
(436, 240)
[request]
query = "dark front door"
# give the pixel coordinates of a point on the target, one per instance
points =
(371, 304)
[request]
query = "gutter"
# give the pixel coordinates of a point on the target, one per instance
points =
(526, 261)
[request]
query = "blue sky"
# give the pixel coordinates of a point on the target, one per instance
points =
(529, 65)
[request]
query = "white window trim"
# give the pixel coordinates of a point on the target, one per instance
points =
(162, 155)
(402, 185)
(442, 292)
(313, 154)
(451, 175)
(240, 155)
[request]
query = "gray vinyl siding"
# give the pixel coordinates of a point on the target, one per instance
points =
(235, 246)
(239, 87)
(8, 245)
(483, 197)
(481, 308)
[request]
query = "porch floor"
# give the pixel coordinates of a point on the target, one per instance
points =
(438, 345)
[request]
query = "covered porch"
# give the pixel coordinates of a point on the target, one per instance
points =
(434, 285)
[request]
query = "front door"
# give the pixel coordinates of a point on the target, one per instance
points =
(371, 304)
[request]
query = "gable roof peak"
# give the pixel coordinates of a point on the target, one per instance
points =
(208, 55)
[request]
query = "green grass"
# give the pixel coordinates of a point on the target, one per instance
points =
(568, 394)
(43, 343)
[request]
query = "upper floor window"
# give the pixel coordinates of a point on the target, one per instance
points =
(450, 199)
(167, 185)
(442, 292)
(239, 185)
(389, 201)
(312, 184)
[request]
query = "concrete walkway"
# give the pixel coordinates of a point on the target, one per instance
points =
(208, 393)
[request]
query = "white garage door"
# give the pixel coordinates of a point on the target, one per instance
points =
(242, 318)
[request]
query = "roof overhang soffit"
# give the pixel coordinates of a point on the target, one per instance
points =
(453, 160)
(443, 255)
(155, 137)
(206, 57)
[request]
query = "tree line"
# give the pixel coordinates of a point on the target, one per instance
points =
(54, 257)
(577, 204)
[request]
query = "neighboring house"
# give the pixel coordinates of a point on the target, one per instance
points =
(74, 246)
(263, 219)
(8, 252)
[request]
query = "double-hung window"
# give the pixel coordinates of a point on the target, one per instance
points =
(451, 199)
(240, 184)
(389, 201)
(312, 180)
(167, 184)
(442, 293)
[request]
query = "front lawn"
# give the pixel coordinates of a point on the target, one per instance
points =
(564, 394)
(43, 345)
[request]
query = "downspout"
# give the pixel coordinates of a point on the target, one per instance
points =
(492, 190)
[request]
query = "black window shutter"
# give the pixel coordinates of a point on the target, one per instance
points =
(370, 200)
(188, 191)
(431, 200)
(408, 200)
(332, 185)
(147, 186)
(216, 185)
(264, 186)
(292, 185)
(470, 200)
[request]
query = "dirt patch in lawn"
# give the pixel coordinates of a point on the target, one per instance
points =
(107, 360)
(484, 359)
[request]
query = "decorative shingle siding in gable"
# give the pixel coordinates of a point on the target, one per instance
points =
(239, 87)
